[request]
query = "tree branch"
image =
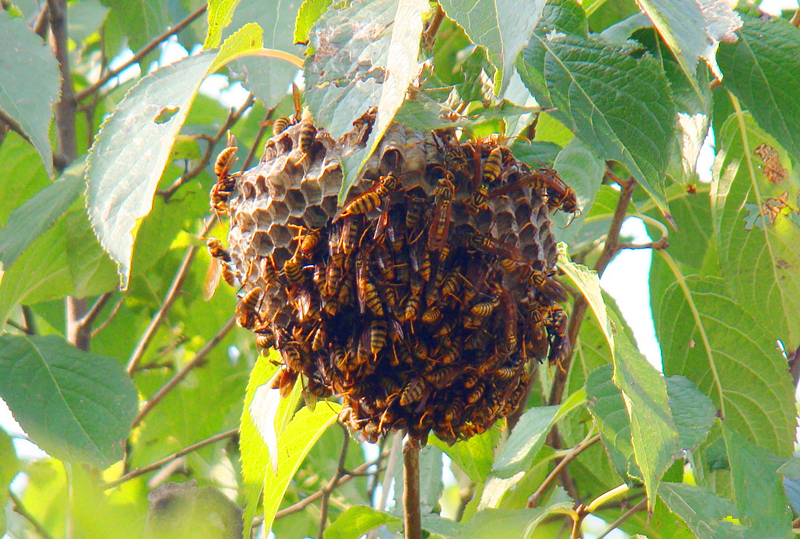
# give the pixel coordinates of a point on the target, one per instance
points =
(109, 318)
(136, 58)
(533, 500)
(625, 516)
(166, 305)
(302, 504)
(22, 511)
(326, 491)
(233, 117)
(136, 472)
(41, 26)
(86, 323)
(579, 306)
(411, 507)
(655, 245)
(181, 374)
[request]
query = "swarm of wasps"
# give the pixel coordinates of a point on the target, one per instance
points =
(423, 300)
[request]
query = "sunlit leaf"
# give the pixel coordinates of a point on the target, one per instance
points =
(140, 20)
(761, 263)
(219, 14)
(358, 520)
(29, 83)
(708, 338)
(75, 405)
(9, 466)
(473, 456)
(310, 11)
(763, 70)
(707, 514)
(503, 27)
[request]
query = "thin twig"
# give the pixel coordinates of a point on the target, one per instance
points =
(156, 41)
(136, 472)
(411, 507)
(42, 24)
(166, 305)
(22, 511)
(88, 319)
(579, 307)
(655, 245)
(233, 116)
(376, 478)
(10, 124)
(533, 500)
(326, 491)
(109, 318)
(302, 504)
(432, 28)
(181, 374)
(795, 20)
(257, 142)
(625, 516)
(388, 476)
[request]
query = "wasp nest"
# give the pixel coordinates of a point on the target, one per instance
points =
(423, 299)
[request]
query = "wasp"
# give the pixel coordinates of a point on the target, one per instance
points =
(246, 309)
(280, 125)
(320, 339)
(220, 266)
(265, 340)
(415, 208)
(268, 270)
(308, 242)
(378, 336)
(476, 394)
(505, 373)
(510, 325)
(306, 306)
(284, 381)
(488, 244)
(421, 261)
(536, 337)
(541, 282)
(293, 269)
(556, 324)
(349, 237)
(439, 378)
(443, 196)
(432, 316)
(483, 309)
(372, 198)
(306, 137)
(368, 296)
(412, 391)
(450, 353)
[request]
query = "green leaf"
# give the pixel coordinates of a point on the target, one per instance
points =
(692, 411)
(75, 405)
(529, 435)
(9, 466)
(707, 337)
(29, 83)
(219, 14)
(761, 263)
(310, 11)
(430, 484)
(763, 70)
(583, 171)
(293, 444)
(84, 19)
(124, 170)
(267, 78)
(703, 511)
(573, 74)
(521, 523)
(692, 29)
(39, 212)
(357, 521)
(503, 27)
(255, 454)
(653, 432)
(588, 283)
(758, 490)
(140, 20)
(791, 469)
(611, 417)
(22, 173)
(473, 456)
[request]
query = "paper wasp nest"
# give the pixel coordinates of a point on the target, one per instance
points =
(422, 301)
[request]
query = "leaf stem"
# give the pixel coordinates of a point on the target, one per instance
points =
(155, 42)
(533, 500)
(328, 489)
(625, 516)
(181, 374)
(411, 503)
(136, 472)
(605, 497)
(22, 511)
(109, 318)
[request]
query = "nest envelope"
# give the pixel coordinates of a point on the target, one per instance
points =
(424, 299)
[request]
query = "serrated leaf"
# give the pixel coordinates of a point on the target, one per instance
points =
(693, 29)
(521, 523)
(9, 466)
(29, 83)
(761, 263)
(692, 411)
(708, 338)
(583, 171)
(653, 432)
(758, 490)
(39, 212)
(75, 405)
(502, 27)
(357, 521)
(703, 511)
(763, 70)
(588, 283)
(310, 11)
(22, 173)
(124, 170)
(573, 74)
(219, 14)
(473, 456)
(430, 484)
(529, 435)
(255, 453)
(294, 443)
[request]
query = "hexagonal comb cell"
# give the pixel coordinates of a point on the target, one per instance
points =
(407, 292)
